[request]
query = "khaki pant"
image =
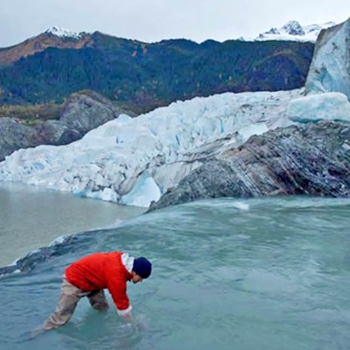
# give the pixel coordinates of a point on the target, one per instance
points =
(68, 300)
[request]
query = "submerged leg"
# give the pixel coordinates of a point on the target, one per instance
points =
(98, 300)
(67, 302)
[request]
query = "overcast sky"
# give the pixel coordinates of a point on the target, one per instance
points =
(154, 20)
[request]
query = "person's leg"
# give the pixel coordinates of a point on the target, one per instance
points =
(67, 302)
(98, 300)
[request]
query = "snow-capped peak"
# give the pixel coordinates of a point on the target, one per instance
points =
(63, 33)
(293, 30)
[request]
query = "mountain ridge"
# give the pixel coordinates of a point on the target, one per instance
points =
(59, 37)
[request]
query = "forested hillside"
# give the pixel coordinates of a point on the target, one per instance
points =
(141, 76)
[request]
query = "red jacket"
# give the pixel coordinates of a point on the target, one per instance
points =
(103, 270)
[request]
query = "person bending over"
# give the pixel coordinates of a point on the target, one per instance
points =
(89, 276)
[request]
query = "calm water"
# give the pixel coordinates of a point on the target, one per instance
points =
(269, 273)
(31, 217)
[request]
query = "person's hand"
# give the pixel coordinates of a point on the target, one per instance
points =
(127, 317)
(133, 322)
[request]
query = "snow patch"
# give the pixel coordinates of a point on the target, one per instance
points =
(292, 31)
(64, 33)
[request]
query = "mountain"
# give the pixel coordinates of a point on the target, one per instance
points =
(143, 76)
(55, 37)
(294, 31)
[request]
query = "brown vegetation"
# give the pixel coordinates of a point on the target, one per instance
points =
(32, 114)
(41, 43)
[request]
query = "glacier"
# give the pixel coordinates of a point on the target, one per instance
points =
(330, 66)
(133, 161)
(313, 108)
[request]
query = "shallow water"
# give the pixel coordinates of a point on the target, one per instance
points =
(268, 273)
(31, 217)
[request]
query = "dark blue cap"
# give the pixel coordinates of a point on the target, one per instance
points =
(142, 267)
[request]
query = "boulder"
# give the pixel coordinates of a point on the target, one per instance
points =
(82, 112)
(312, 159)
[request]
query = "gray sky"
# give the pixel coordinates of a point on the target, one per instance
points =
(154, 20)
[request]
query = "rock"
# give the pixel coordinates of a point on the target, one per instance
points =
(86, 111)
(313, 159)
(53, 132)
(14, 135)
(83, 112)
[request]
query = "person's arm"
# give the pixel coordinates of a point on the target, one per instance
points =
(117, 288)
